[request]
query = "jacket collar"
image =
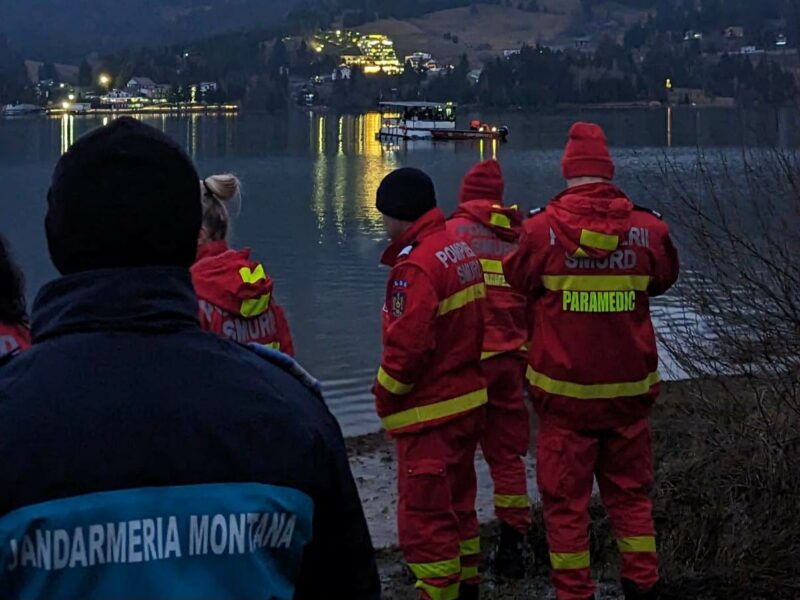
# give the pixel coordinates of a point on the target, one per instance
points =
(143, 299)
(431, 222)
(211, 249)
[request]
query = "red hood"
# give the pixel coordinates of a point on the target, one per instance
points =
(428, 224)
(590, 220)
(504, 221)
(228, 278)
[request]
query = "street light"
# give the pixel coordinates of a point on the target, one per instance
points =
(105, 80)
(71, 96)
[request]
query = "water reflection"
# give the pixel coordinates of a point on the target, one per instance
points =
(67, 132)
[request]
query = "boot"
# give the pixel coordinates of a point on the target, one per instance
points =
(511, 555)
(469, 592)
(632, 592)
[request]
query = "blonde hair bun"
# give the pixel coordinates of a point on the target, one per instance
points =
(223, 187)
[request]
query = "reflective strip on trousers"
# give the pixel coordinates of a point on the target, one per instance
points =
(393, 385)
(639, 543)
(592, 391)
(438, 410)
(601, 241)
(491, 354)
(468, 573)
(569, 561)
(462, 298)
(471, 546)
(451, 592)
(596, 283)
(509, 501)
(435, 570)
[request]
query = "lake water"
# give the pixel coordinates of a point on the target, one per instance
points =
(308, 210)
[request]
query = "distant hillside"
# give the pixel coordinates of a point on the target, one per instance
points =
(485, 30)
(68, 29)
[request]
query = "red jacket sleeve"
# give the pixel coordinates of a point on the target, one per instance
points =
(667, 264)
(524, 266)
(284, 333)
(408, 333)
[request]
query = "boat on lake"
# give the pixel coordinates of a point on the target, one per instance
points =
(413, 120)
(21, 110)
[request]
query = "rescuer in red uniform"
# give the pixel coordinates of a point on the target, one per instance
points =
(590, 262)
(15, 335)
(235, 292)
(492, 231)
(430, 392)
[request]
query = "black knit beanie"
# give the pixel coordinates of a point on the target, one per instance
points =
(406, 194)
(124, 195)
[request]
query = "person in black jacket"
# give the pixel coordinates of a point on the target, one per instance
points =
(139, 456)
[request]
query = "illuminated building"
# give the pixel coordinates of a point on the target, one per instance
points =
(374, 52)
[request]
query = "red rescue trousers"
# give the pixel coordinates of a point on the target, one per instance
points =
(436, 519)
(506, 438)
(621, 460)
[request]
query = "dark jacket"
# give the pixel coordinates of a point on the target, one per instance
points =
(141, 457)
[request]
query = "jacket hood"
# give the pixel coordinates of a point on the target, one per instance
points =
(484, 181)
(231, 280)
(504, 221)
(590, 220)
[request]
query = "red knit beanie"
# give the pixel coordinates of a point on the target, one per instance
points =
(587, 154)
(484, 181)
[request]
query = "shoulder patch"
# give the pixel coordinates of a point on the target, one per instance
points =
(405, 251)
(289, 365)
(535, 211)
(655, 213)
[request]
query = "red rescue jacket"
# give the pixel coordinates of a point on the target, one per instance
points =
(236, 299)
(432, 329)
(590, 262)
(493, 231)
(14, 338)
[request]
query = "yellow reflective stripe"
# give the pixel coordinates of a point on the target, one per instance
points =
(469, 573)
(569, 561)
(251, 277)
(273, 346)
(443, 568)
(592, 391)
(462, 298)
(471, 546)
(601, 241)
(451, 592)
(493, 273)
(492, 266)
(580, 253)
(485, 355)
(508, 501)
(596, 283)
(393, 385)
(439, 410)
(500, 220)
(255, 306)
(639, 543)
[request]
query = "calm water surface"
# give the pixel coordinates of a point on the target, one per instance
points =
(308, 210)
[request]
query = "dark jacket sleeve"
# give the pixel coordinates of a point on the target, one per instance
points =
(340, 561)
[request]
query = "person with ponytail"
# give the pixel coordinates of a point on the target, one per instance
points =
(235, 292)
(14, 332)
